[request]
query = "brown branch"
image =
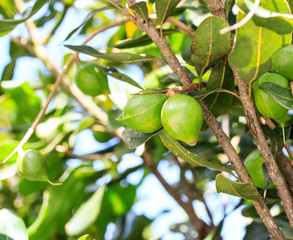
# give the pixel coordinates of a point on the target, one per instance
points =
(217, 7)
(199, 225)
(224, 141)
(281, 159)
(181, 25)
(265, 152)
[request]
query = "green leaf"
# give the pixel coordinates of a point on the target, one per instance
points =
(141, 41)
(274, 15)
(113, 72)
(7, 25)
(86, 214)
(28, 103)
(57, 202)
(242, 190)
(203, 94)
(281, 95)
(141, 9)
(11, 226)
(253, 48)
(179, 151)
(84, 237)
(134, 138)
(86, 19)
(221, 77)
(116, 57)
(208, 45)
(164, 8)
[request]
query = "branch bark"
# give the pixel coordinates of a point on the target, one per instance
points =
(265, 152)
(198, 224)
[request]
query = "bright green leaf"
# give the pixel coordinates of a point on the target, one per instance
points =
(11, 226)
(84, 237)
(242, 190)
(86, 215)
(274, 15)
(253, 48)
(281, 95)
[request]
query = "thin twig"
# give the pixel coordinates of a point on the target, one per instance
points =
(199, 225)
(91, 157)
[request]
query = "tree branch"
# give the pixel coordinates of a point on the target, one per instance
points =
(265, 152)
(199, 225)
(224, 141)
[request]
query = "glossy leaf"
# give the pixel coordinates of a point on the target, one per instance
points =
(113, 72)
(242, 190)
(116, 57)
(134, 138)
(11, 225)
(164, 8)
(86, 214)
(273, 15)
(253, 48)
(7, 25)
(194, 160)
(281, 95)
(86, 19)
(141, 41)
(208, 45)
(141, 9)
(221, 77)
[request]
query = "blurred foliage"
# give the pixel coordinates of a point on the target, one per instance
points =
(92, 199)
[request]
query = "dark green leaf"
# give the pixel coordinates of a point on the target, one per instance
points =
(253, 49)
(141, 9)
(135, 138)
(281, 95)
(141, 41)
(113, 72)
(208, 45)
(116, 57)
(242, 190)
(221, 77)
(11, 226)
(7, 25)
(86, 19)
(86, 214)
(164, 8)
(179, 151)
(256, 231)
(275, 139)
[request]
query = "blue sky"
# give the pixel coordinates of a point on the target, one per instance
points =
(152, 197)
